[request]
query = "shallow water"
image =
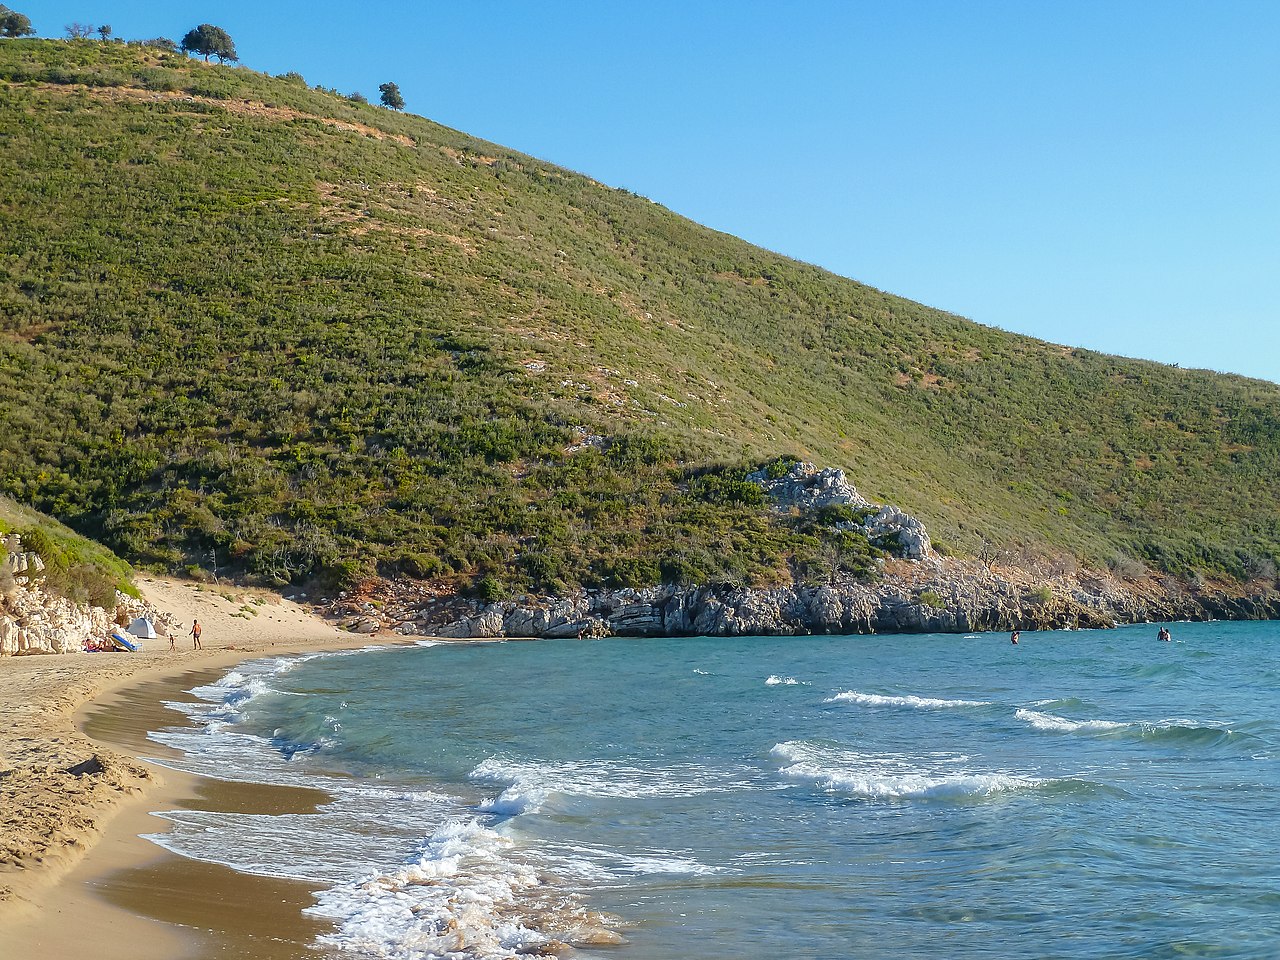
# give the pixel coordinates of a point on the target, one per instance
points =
(1080, 795)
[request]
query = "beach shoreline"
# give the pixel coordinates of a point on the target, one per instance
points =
(80, 799)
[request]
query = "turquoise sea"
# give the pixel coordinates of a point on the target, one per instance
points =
(1083, 794)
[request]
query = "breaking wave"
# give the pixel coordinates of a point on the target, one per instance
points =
(919, 703)
(887, 777)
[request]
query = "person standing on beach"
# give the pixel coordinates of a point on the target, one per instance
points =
(195, 635)
(173, 641)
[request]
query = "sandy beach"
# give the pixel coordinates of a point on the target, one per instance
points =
(74, 872)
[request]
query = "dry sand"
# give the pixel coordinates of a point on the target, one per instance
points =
(75, 878)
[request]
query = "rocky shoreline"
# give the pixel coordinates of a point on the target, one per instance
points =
(943, 595)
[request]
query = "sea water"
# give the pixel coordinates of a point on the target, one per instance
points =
(1082, 794)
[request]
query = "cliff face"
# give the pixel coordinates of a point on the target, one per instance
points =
(33, 620)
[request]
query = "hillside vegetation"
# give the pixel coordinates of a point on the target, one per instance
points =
(75, 567)
(252, 325)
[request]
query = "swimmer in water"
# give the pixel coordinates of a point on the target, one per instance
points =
(1014, 637)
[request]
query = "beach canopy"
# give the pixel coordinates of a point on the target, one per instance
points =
(144, 628)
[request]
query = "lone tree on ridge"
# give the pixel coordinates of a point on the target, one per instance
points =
(14, 24)
(104, 31)
(391, 96)
(210, 41)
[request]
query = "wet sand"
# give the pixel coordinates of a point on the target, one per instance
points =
(76, 878)
(222, 913)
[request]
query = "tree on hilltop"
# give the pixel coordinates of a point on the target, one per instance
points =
(78, 31)
(210, 41)
(104, 31)
(14, 24)
(391, 96)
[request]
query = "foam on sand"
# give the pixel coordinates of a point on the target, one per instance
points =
(467, 893)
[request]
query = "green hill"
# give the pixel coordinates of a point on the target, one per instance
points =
(75, 567)
(252, 324)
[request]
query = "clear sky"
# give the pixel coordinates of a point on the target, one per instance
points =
(1103, 174)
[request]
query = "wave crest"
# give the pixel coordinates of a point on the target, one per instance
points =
(1176, 730)
(881, 777)
(919, 703)
(1047, 721)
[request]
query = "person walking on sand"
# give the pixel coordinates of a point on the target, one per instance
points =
(1013, 637)
(173, 641)
(195, 635)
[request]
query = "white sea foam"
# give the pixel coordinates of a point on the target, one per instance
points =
(467, 894)
(328, 846)
(468, 891)
(531, 782)
(919, 703)
(1171, 727)
(515, 800)
(701, 673)
(606, 864)
(775, 680)
(890, 777)
(1047, 721)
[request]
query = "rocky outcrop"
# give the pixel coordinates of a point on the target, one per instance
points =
(34, 620)
(18, 561)
(890, 524)
(942, 596)
(805, 487)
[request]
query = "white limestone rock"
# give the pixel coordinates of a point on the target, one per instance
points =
(805, 487)
(808, 488)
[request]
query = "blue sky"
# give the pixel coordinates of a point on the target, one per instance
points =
(1101, 174)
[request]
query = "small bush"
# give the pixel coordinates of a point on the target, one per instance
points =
(1126, 567)
(780, 467)
(489, 589)
(724, 489)
(930, 599)
(345, 573)
(420, 565)
(834, 514)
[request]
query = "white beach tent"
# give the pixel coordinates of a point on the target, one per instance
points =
(144, 628)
